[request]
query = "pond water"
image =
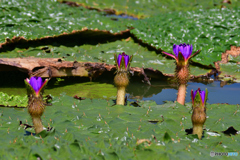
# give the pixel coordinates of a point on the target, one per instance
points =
(103, 87)
(216, 94)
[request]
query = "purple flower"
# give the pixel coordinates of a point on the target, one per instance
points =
(202, 96)
(36, 83)
(184, 50)
(123, 58)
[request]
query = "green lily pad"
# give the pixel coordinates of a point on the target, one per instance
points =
(230, 72)
(233, 58)
(212, 31)
(87, 90)
(142, 57)
(143, 8)
(13, 100)
(36, 19)
(94, 128)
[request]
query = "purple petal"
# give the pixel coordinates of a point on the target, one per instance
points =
(191, 49)
(175, 50)
(119, 59)
(194, 94)
(186, 51)
(126, 60)
(202, 94)
(36, 83)
(180, 49)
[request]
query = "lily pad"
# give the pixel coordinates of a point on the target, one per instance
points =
(142, 57)
(36, 19)
(94, 128)
(143, 8)
(230, 72)
(13, 100)
(87, 89)
(212, 31)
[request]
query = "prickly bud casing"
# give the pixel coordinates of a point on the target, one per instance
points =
(122, 61)
(182, 74)
(121, 79)
(36, 105)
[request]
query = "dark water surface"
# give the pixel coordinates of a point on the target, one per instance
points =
(159, 91)
(227, 94)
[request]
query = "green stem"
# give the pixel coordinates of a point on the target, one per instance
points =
(198, 129)
(37, 122)
(121, 95)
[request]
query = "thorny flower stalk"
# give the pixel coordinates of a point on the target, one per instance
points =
(121, 79)
(199, 99)
(182, 54)
(35, 87)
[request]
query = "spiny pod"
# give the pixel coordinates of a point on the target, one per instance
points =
(121, 79)
(35, 87)
(199, 99)
(182, 54)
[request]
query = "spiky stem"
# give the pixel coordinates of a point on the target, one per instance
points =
(198, 120)
(35, 109)
(181, 93)
(182, 75)
(121, 81)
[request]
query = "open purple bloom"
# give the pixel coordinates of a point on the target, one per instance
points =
(184, 49)
(36, 83)
(201, 93)
(123, 57)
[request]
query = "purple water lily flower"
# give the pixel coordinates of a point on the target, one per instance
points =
(202, 95)
(123, 57)
(184, 49)
(36, 83)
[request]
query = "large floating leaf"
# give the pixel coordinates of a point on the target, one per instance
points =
(37, 19)
(13, 100)
(230, 72)
(87, 89)
(146, 8)
(211, 31)
(94, 128)
(142, 57)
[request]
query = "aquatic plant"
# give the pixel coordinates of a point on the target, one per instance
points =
(121, 79)
(199, 99)
(182, 54)
(35, 87)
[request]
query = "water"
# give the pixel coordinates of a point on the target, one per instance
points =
(216, 94)
(103, 87)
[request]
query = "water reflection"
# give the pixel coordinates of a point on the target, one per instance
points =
(165, 92)
(159, 91)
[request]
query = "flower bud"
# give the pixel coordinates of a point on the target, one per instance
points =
(35, 85)
(123, 61)
(199, 98)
